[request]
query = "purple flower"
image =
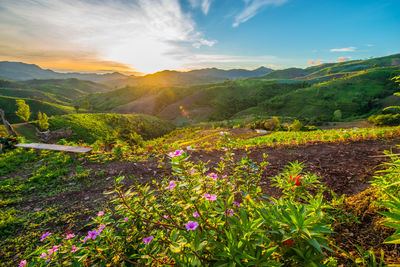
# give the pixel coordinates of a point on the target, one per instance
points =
(69, 236)
(192, 171)
(196, 214)
(101, 228)
(147, 240)
(213, 176)
(73, 249)
(54, 249)
(236, 203)
(223, 133)
(43, 255)
(165, 217)
(126, 219)
(22, 263)
(176, 153)
(101, 213)
(44, 236)
(210, 197)
(230, 212)
(172, 184)
(191, 226)
(91, 234)
(224, 176)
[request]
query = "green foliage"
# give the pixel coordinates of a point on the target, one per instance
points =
(43, 121)
(385, 119)
(112, 127)
(201, 219)
(272, 124)
(23, 110)
(337, 115)
(296, 126)
(9, 107)
(388, 185)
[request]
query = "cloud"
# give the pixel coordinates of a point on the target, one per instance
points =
(343, 59)
(203, 4)
(253, 7)
(146, 35)
(204, 42)
(317, 62)
(345, 49)
(222, 61)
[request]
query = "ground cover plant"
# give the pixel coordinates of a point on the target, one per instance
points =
(57, 174)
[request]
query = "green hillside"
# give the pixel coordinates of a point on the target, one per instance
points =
(332, 68)
(355, 96)
(112, 127)
(8, 105)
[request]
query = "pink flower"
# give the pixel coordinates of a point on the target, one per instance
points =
(101, 228)
(126, 219)
(49, 259)
(43, 255)
(147, 240)
(207, 185)
(213, 176)
(165, 216)
(223, 133)
(73, 249)
(176, 153)
(210, 197)
(191, 226)
(44, 236)
(224, 176)
(22, 263)
(54, 249)
(230, 212)
(101, 213)
(69, 236)
(172, 184)
(196, 214)
(236, 203)
(192, 171)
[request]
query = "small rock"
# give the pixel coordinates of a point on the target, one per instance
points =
(86, 198)
(37, 209)
(108, 178)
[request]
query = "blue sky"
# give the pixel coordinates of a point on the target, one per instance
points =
(152, 35)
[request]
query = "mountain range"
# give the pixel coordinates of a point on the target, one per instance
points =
(21, 72)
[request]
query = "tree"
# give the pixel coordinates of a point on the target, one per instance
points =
(337, 115)
(76, 107)
(43, 121)
(23, 110)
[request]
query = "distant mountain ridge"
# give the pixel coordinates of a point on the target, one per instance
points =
(21, 71)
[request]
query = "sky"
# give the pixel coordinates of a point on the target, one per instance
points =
(146, 36)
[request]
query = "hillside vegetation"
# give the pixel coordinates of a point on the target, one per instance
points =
(112, 127)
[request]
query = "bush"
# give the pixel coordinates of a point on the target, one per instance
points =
(272, 124)
(204, 218)
(296, 126)
(385, 120)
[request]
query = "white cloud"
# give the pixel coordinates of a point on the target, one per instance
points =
(147, 35)
(203, 4)
(345, 49)
(204, 42)
(252, 8)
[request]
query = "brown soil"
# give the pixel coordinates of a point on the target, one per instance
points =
(345, 168)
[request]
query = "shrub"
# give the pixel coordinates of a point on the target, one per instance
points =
(385, 119)
(272, 124)
(337, 115)
(296, 126)
(203, 218)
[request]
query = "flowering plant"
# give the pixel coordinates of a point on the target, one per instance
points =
(201, 217)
